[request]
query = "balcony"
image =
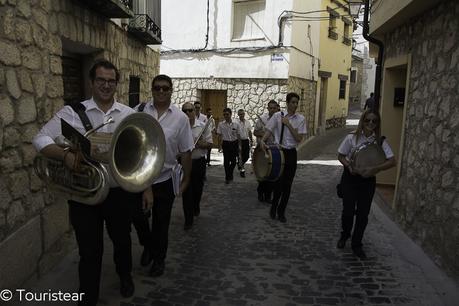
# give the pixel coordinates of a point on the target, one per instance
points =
(111, 8)
(145, 29)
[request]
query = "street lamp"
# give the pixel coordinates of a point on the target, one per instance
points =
(354, 7)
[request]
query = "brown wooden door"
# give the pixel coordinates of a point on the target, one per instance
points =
(216, 100)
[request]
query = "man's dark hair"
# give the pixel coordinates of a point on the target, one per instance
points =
(272, 102)
(161, 77)
(227, 110)
(208, 109)
(197, 102)
(240, 110)
(291, 95)
(372, 94)
(102, 63)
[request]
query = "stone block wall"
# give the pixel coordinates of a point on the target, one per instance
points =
(428, 189)
(252, 95)
(32, 37)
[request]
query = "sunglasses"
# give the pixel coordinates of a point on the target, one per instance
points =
(371, 120)
(163, 88)
(188, 110)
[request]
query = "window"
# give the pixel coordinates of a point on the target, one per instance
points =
(353, 77)
(333, 15)
(342, 89)
(248, 19)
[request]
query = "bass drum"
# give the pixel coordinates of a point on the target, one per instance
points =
(269, 166)
(367, 155)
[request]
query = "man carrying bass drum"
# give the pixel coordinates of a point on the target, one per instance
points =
(358, 185)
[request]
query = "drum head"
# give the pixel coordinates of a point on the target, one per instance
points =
(261, 163)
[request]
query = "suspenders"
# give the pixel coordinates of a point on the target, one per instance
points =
(80, 110)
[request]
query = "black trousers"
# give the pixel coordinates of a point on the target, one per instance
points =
(191, 197)
(283, 186)
(163, 194)
(141, 222)
(358, 194)
(230, 151)
(88, 223)
(244, 156)
(265, 188)
(208, 156)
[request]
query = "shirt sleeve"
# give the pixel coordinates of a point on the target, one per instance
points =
(387, 149)
(52, 128)
(185, 136)
(273, 122)
(219, 129)
(346, 145)
(302, 130)
(208, 135)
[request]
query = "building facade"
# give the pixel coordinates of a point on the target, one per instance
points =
(335, 52)
(241, 54)
(46, 50)
(420, 113)
(356, 80)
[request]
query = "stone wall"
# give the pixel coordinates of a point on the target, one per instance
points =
(252, 95)
(33, 222)
(428, 189)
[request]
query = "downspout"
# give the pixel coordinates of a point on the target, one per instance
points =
(378, 74)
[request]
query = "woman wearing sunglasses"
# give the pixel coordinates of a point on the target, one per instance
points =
(358, 188)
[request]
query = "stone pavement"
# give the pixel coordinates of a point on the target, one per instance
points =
(236, 255)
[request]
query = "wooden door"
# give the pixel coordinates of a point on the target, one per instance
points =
(216, 100)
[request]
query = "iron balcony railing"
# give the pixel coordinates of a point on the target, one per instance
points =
(111, 8)
(145, 29)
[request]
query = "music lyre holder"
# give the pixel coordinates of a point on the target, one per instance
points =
(76, 138)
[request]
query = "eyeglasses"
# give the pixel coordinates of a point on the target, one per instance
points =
(102, 82)
(371, 120)
(163, 88)
(188, 110)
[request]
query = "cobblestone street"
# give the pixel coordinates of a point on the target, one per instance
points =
(236, 255)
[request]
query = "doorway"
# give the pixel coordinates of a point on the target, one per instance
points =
(217, 101)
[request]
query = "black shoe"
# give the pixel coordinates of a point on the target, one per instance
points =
(157, 269)
(187, 227)
(242, 173)
(146, 257)
(126, 286)
(341, 243)
(282, 219)
(227, 181)
(268, 200)
(359, 253)
(197, 213)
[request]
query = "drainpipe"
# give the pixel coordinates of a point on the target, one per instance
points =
(378, 75)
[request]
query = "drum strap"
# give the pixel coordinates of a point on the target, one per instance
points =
(282, 130)
(80, 109)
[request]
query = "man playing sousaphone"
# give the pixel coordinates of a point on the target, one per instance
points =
(358, 181)
(88, 220)
(288, 131)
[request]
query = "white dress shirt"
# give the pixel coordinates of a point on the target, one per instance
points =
(52, 129)
(206, 136)
(260, 125)
(202, 117)
(274, 125)
(230, 131)
(246, 128)
(177, 131)
(350, 144)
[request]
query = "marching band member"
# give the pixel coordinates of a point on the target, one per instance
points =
(88, 220)
(203, 139)
(265, 188)
(229, 133)
(246, 141)
(212, 131)
(288, 131)
(199, 116)
(179, 140)
(358, 189)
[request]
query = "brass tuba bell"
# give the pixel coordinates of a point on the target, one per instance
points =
(135, 158)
